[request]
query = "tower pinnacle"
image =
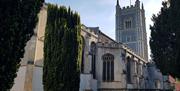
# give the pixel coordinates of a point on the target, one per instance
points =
(142, 6)
(137, 3)
(117, 3)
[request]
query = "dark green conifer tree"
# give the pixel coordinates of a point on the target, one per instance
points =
(18, 19)
(62, 50)
(164, 41)
(175, 26)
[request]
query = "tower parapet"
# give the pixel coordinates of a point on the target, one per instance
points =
(129, 7)
(135, 6)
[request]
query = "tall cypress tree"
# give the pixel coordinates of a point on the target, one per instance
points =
(175, 24)
(164, 39)
(62, 50)
(17, 22)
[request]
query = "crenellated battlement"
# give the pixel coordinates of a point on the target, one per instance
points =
(128, 7)
(136, 5)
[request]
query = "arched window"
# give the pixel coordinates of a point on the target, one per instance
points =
(128, 66)
(108, 67)
(82, 58)
(93, 54)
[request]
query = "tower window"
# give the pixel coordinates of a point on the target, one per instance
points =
(128, 24)
(108, 67)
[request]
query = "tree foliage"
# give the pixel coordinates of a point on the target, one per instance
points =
(17, 20)
(62, 50)
(164, 41)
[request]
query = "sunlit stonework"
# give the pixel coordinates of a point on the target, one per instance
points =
(107, 65)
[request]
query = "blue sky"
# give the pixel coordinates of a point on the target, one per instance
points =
(101, 13)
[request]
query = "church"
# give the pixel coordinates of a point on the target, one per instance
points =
(107, 64)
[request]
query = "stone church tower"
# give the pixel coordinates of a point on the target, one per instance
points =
(131, 28)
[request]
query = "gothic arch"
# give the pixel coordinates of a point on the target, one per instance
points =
(108, 56)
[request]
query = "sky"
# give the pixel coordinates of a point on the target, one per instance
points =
(101, 13)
